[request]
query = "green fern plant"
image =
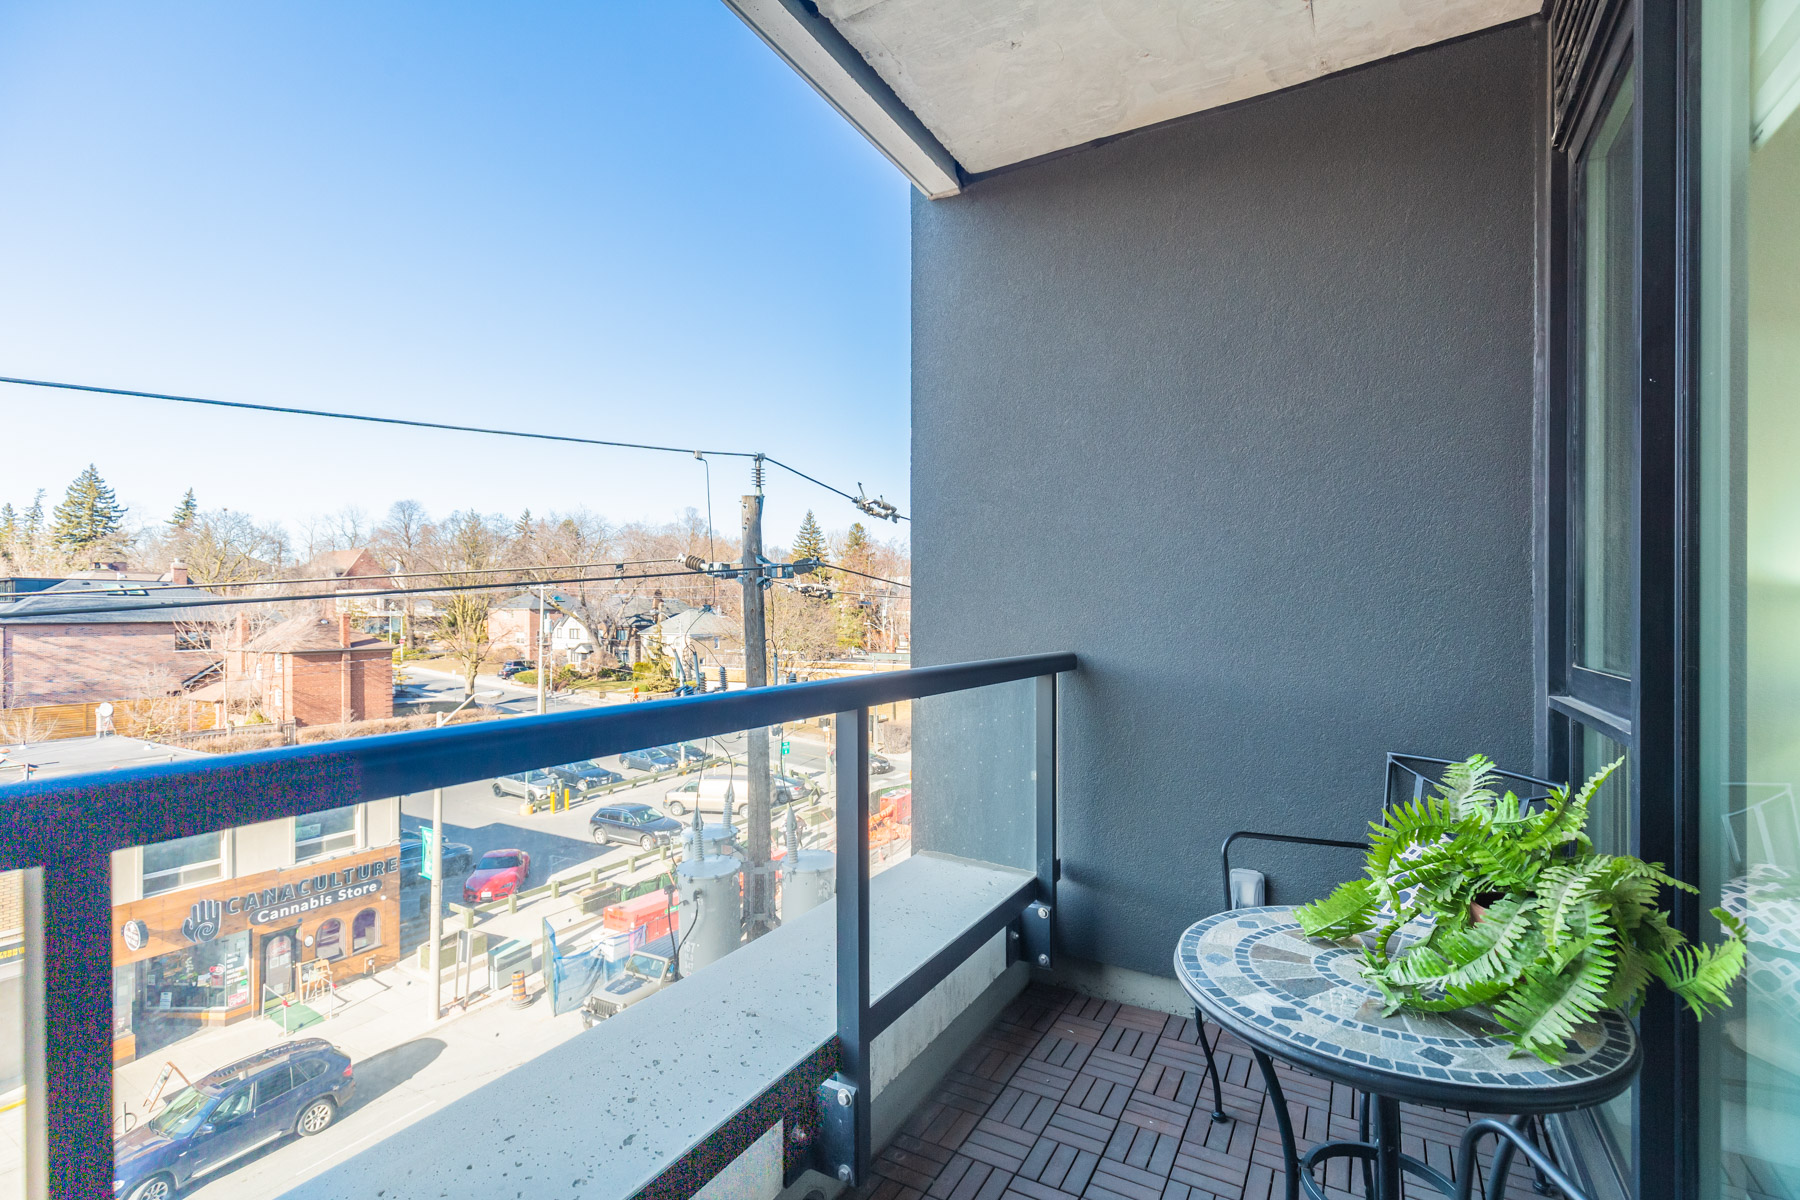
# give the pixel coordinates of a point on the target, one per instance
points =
(1524, 917)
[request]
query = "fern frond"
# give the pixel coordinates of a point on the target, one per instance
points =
(1464, 787)
(1348, 911)
(1702, 975)
(1543, 1009)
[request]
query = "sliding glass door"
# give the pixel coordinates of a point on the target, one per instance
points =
(1748, 186)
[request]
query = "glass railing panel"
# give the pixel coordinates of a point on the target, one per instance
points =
(21, 1035)
(304, 944)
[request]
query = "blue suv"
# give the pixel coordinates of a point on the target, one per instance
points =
(293, 1088)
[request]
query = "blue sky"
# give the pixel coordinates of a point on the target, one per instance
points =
(619, 220)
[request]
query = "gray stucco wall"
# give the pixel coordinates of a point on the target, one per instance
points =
(1239, 410)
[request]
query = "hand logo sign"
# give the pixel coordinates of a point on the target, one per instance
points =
(202, 924)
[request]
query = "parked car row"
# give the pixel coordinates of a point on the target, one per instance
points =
(536, 785)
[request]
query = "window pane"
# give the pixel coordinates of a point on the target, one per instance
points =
(1609, 824)
(184, 861)
(330, 832)
(1750, 590)
(1607, 390)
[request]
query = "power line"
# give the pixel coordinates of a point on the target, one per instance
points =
(877, 507)
(34, 614)
(636, 562)
(866, 575)
(373, 420)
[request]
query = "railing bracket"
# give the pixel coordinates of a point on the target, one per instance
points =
(1035, 925)
(835, 1145)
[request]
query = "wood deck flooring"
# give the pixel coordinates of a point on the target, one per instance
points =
(1070, 1098)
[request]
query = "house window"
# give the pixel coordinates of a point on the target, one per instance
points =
(183, 862)
(318, 835)
(193, 639)
(328, 941)
(365, 930)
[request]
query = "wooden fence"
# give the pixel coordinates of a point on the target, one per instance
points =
(155, 717)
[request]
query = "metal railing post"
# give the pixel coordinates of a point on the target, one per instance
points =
(844, 1100)
(1037, 924)
(78, 1024)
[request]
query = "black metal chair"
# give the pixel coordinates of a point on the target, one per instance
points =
(1408, 777)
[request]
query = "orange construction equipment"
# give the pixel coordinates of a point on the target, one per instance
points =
(646, 918)
(885, 824)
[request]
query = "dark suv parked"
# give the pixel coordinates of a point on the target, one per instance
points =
(585, 776)
(632, 823)
(293, 1088)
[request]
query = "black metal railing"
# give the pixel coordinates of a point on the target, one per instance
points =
(71, 826)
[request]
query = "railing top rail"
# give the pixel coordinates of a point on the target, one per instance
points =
(66, 819)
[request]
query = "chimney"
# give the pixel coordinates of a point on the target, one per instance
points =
(344, 630)
(243, 630)
(178, 576)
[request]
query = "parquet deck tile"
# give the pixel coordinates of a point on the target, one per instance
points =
(1067, 1097)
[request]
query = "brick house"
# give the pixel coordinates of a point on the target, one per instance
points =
(357, 570)
(119, 643)
(314, 669)
(514, 626)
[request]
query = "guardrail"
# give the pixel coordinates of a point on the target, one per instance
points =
(71, 826)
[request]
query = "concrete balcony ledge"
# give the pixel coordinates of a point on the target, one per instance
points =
(608, 1111)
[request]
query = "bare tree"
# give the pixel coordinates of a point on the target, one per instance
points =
(221, 546)
(468, 541)
(402, 542)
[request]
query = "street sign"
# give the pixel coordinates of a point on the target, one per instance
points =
(427, 858)
(784, 749)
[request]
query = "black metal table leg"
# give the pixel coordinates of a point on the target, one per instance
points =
(1290, 1160)
(1364, 1099)
(1387, 1148)
(1212, 1067)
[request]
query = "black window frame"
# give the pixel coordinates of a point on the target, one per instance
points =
(1654, 713)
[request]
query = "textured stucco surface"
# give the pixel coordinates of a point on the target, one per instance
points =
(1003, 81)
(1239, 410)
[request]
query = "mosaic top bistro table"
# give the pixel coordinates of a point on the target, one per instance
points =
(1300, 999)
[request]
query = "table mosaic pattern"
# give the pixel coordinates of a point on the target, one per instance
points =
(1303, 999)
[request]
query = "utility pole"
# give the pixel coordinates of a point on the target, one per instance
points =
(543, 696)
(757, 889)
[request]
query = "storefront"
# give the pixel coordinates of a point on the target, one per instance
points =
(224, 951)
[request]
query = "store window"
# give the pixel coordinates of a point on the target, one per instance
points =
(183, 862)
(320, 835)
(210, 975)
(365, 930)
(1749, 206)
(328, 942)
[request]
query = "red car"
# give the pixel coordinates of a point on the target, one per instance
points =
(500, 873)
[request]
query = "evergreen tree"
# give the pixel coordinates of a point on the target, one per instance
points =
(185, 512)
(34, 521)
(522, 526)
(857, 547)
(9, 524)
(89, 515)
(810, 541)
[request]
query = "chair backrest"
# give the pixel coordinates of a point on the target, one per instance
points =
(1411, 776)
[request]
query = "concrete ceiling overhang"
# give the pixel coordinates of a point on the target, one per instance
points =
(950, 88)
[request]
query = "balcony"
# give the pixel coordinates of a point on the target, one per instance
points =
(720, 1070)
